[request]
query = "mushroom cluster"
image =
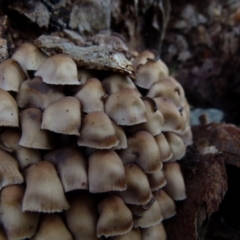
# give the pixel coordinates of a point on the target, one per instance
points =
(89, 157)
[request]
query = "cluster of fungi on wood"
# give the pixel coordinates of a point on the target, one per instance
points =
(88, 158)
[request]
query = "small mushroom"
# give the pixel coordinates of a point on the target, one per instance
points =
(156, 180)
(121, 136)
(109, 166)
(29, 56)
(67, 114)
(154, 233)
(97, 132)
(59, 69)
(48, 196)
(143, 57)
(17, 224)
(114, 217)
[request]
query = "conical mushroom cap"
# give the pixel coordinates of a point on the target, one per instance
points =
(11, 75)
(176, 145)
(90, 96)
(138, 190)
(8, 110)
(97, 131)
(121, 136)
(9, 173)
(36, 93)
(72, 167)
(143, 57)
(29, 56)
(59, 69)
(166, 203)
(82, 216)
(175, 187)
(115, 217)
(134, 234)
(125, 107)
(186, 136)
(154, 233)
(168, 88)
(84, 75)
(52, 227)
(116, 82)
(48, 196)
(106, 172)
(32, 135)
(164, 147)
(142, 150)
(156, 180)
(17, 224)
(66, 113)
(25, 156)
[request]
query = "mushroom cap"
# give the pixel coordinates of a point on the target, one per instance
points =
(186, 136)
(175, 187)
(81, 217)
(36, 93)
(90, 96)
(17, 224)
(121, 136)
(9, 173)
(134, 234)
(143, 57)
(59, 69)
(11, 75)
(52, 227)
(138, 191)
(66, 113)
(168, 88)
(176, 145)
(142, 150)
(156, 180)
(72, 167)
(97, 132)
(25, 156)
(48, 196)
(8, 110)
(29, 56)
(106, 172)
(116, 82)
(154, 233)
(125, 107)
(115, 217)
(84, 75)
(32, 135)
(166, 203)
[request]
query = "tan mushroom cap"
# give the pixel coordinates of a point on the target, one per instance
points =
(168, 88)
(97, 132)
(166, 203)
(59, 69)
(8, 110)
(175, 187)
(52, 227)
(17, 224)
(154, 233)
(121, 136)
(63, 116)
(155, 121)
(187, 136)
(178, 148)
(125, 107)
(173, 120)
(151, 217)
(115, 217)
(81, 217)
(36, 93)
(108, 165)
(84, 75)
(72, 167)
(48, 196)
(143, 57)
(29, 56)
(164, 147)
(150, 73)
(32, 135)
(25, 156)
(138, 190)
(116, 82)
(185, 114)
(134, 234)
(9, 173)
(90, 96)
(156, 180)
(11, 75)
(142, 150)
